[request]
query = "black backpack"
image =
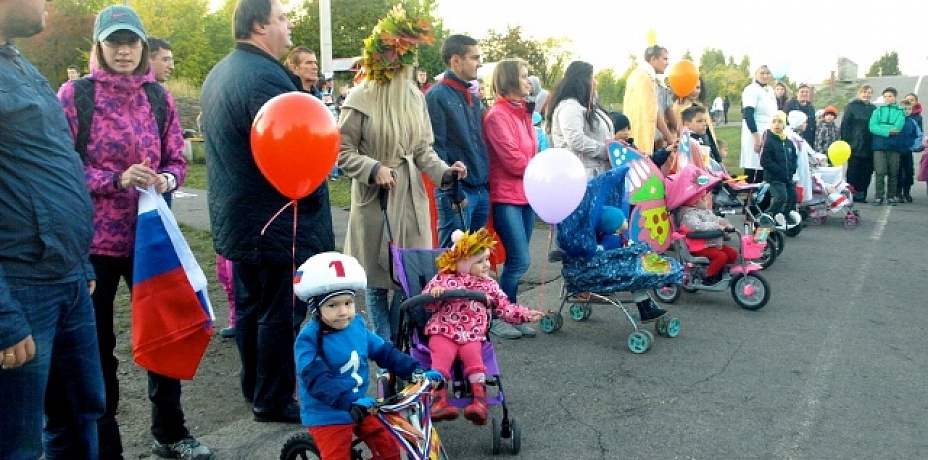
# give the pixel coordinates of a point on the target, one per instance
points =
(83, 102)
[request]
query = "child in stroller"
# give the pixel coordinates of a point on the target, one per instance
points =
(457, 329)
(695, 215)
(332, 353)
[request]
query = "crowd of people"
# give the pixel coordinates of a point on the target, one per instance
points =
(68, 242)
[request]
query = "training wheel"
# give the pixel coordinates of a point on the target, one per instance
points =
(547, 323)
(638, 342)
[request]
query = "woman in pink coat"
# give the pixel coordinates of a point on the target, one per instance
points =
(511, 142)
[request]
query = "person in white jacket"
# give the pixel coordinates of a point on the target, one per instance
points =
(576, 122)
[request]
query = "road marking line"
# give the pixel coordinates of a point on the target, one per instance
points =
(918, 83)
(880, 225)
(808, 403)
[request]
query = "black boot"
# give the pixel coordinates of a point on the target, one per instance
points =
(649, 311)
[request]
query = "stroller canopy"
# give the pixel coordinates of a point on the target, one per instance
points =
(686, 184)
(576, 234)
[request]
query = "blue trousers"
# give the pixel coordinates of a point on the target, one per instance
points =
(514, 223)
(476, 212)
(62, 386)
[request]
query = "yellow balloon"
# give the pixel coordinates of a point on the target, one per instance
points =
(839, 152)
(652, 37)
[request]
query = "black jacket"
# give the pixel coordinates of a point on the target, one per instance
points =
(855, 128)
(778, 158)
(241, 200)
(811, 125)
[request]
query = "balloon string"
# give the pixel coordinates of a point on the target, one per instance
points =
(544, 268)
(268, 224)
(293, 260)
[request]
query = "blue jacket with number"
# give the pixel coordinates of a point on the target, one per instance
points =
(331, 381)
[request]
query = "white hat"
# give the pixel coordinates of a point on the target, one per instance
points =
(328, 273)
(796, 118)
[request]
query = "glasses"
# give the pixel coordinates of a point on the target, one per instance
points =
(116, 42)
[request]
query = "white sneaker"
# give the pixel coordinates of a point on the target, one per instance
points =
(781, 221)
(794, 218)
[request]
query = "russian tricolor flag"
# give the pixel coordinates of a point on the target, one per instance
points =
(172, 318)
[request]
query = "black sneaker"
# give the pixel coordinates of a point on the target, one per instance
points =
(186, 449)
(290, 414)
(878, 202)
(907, 197)
(556, 255)
(649, 311)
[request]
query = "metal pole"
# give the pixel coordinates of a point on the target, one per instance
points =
(325, 36)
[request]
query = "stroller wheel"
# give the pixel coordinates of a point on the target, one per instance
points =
(851, 221)
(496, 432)
(559, 321)
(667, 326)
(299, 447)
(579, 312)
(668, 293)
(779, 241)
(638, 342)
(793, 231)
(549, 323)
(516, 436)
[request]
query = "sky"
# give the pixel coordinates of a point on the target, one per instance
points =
(806, 37)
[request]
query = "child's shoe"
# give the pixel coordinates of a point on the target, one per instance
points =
(476, 411)
(441, 409)
(649, 311)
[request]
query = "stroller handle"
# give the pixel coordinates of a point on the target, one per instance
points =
(422, 299)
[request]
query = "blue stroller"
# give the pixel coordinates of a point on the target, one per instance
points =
(413, 268)
(592, 276)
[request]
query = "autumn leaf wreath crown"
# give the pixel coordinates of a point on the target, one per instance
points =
(392, 44)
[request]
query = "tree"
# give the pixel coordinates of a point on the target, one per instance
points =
(610, 87)
(183, 24)
(547, 59)
(65, 41)
(886, 65)
(712, 59)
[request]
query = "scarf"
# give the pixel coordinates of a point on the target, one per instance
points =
(448, 80)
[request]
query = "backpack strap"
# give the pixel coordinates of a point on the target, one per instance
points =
(83, 102)
(159, 104)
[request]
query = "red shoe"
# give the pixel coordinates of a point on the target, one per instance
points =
(441, 409)
(476, 411)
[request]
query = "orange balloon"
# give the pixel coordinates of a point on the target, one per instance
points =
(295, 142)
(683, 77)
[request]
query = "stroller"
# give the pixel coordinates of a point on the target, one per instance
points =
(405, 415)
(738, 197)
(830, 195)
(592, 276)
(749, 290)
(413, 269)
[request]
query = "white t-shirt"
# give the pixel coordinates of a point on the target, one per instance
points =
(765, 105)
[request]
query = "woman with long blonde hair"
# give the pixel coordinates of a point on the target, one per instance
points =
(386, 146)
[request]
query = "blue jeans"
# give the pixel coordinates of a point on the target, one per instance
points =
(514, 224)
(385, 317)
(63, 382)
(476, 212)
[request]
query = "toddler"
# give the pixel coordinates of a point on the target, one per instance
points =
(696, 215)
(332, 353)
(778, 159)
(610, 229)
(458, 328)
(827, 131)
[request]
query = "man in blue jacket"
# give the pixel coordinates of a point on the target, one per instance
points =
(50, 371)
(242, 207)
(457, 122)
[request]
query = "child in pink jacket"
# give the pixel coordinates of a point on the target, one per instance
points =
(458, 328)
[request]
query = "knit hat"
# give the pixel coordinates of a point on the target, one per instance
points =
(468, 247)
(115, 18)
(327, 275)
(832, 110)
(778, 115)
(796, 118)
(610, 220)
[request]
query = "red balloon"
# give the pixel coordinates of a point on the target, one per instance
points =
(295, 142)
(683, 77)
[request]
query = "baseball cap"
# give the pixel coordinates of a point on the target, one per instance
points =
(115, 18)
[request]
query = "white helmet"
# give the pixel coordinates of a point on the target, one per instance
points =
(328, 272)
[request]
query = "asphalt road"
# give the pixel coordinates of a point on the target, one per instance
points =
(833, 367)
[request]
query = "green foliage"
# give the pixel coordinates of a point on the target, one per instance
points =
(886, 65)
(611, 88)
(547, 59)
(65, 41)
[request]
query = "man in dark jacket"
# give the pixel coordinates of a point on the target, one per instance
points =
(855, 130)
(50, 371)
(803, 103)
(242, 207)
(886, 124)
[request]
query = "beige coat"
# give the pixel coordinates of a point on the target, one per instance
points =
(407, 207)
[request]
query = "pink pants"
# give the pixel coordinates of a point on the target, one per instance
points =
(224, 275)
(444, 350)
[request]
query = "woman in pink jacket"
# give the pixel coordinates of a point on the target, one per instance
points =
(511, 143)
(134, 139)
